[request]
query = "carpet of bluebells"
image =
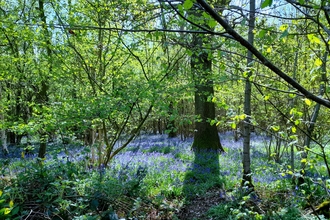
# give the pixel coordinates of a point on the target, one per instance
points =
(146, 181)
(158, 153)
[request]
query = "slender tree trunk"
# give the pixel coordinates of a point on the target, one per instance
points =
(316, 110)
(171, 123)
(291, 104)
(4, 138)
(3, 131)
(42, 96)
(18, 112)
(247, 177)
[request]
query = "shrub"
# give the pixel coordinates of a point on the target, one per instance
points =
(7, 209)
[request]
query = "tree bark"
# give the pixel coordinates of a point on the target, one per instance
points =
(42, 96)
(247, 175)
(291, 104)
(171, 122)
(3, 131)
(206, 135)
(316, 110)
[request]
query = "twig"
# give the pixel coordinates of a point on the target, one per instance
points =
(29, 215)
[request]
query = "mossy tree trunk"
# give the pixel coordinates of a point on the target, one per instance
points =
(206, 134)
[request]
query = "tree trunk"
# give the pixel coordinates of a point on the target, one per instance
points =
(11, 137)
(316, 110)
(261, 57)
(42, 96)
(206, 135)
(4, 140)
(247, 177)
(171, 123)
(291, 105)
(3, 131)
(42, 148)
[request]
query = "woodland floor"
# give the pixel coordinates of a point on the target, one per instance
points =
(199, 205)
(168, 160)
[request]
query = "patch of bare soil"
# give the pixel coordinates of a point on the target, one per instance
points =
(199, 205)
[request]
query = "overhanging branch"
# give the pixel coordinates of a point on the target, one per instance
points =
(261, 57)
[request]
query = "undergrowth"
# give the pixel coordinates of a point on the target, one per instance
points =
(160, 181)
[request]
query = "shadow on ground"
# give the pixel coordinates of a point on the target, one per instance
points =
(202, 186)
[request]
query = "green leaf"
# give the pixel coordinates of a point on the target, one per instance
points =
(292, 95)
(212, 23)
(284, 34)
(212, 122)
(308, 102)
(206, 15)
(313, 38)
(4, 211)
(318, 62)
(276, 128)
(188, 4)
(266, 3)
(283, 27)
(149, 35)
(242, 116)
(246, 74)
(180, 8)
(15, 210)
(262, 33)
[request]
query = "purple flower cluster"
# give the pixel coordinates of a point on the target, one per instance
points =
(160, 154)
(148, 151)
